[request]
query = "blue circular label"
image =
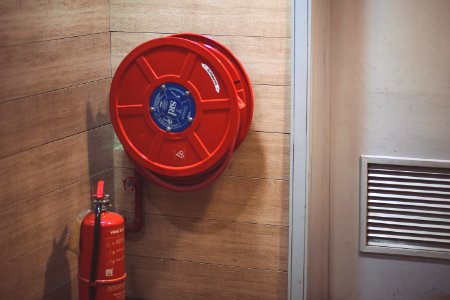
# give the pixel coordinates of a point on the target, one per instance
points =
(172, 107)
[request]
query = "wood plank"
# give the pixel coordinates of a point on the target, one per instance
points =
(272, 112)
(35, 172)
(68, 291)
(219, 242)
(261, 155)
(42, 220)
(227, 17)
(45, 66)
(30, 21)
(121, 160)
(152, 278)
(266, 60)
(262, 201)
(53, 116)
(32, 275)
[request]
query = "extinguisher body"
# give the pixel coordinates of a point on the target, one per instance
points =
(110, 275)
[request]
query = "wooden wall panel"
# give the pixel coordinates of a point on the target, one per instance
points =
(66, 291)
(38, 272)
(121, 159)
(262, 155)
(54, 82)
(47, 117)
(272, 111)
(230, 198)
(153, 278)
(192, 241)
(30, 174)
(30, 20)
(45, 66)
(41, 220)
(220, 242)
(228, 17)
(266, 60)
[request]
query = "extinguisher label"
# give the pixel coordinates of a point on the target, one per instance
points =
(212, 76)
(116, 231)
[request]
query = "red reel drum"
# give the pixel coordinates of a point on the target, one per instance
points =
(239, 76)
(180, 105)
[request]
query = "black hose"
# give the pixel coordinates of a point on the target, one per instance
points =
(94, 263)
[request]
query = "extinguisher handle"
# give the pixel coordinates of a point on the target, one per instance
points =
(100, 193)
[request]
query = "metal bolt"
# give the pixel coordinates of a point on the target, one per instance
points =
(152, 108)
(187, 93)
(163, 87)
(190, 119)
(168, 128)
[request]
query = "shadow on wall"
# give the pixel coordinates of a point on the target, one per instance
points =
(61, 271)
(94, 154)
(58, 269)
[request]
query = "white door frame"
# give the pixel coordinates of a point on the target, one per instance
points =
(299, 150)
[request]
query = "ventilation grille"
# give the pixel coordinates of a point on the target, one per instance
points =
(406, 207)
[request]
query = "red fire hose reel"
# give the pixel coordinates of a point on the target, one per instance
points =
(180, 106)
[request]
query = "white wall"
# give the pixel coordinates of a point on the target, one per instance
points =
(390, 95)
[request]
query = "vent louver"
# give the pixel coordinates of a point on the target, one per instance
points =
(405, 206)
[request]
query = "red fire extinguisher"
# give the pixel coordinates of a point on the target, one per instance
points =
(101, 263)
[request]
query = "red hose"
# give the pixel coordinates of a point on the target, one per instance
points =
(138, 221)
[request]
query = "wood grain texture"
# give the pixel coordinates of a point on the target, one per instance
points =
(35, 172)
(121, 159)
(68, 291)
(261, 155)
(272, 110)
(45, 66)
(38, 272)
(30, 20)
(266, 60)
(262, 201)
(209, 241)
(32, 224)
(52, 116)
(228, 17)
(153, 278)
